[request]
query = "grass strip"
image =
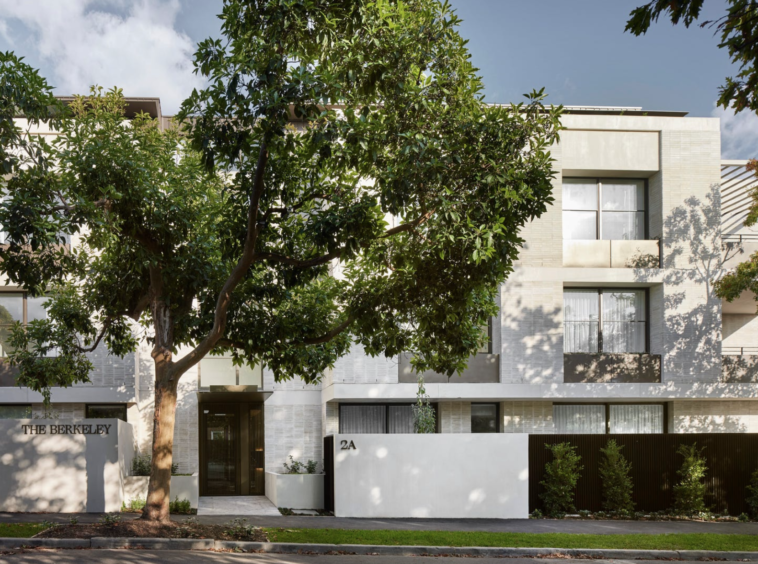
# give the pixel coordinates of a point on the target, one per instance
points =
(697, 541)
(20, 530)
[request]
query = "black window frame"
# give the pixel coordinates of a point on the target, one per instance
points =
(27, 405)
(608, 405)
(498, 424)
(87, 407)
(600, 316)
(599, 211)
(435, 406)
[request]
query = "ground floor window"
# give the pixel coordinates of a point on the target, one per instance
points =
(389, 418)
(599, 418)
(16, 411)
(484, 418)
(106, 411)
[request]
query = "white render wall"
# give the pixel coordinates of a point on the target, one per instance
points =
(432, 476)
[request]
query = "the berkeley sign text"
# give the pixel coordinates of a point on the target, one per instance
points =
(66, 429)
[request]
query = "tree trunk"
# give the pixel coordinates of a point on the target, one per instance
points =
(159, 488)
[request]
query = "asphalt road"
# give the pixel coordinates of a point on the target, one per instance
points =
(182, 557)
(485, 525)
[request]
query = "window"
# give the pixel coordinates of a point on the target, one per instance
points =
(599, 418)
(604, 209)
(377, 418)
(486, 348)
(107, 411)
(17, 306)
(484, 418)
(16, 411)
(605, 321)
(218, 370)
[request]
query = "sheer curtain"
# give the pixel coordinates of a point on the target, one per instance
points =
(623, 209)
(636, 419)
(579, 419)
(580, 319)
(624, 321)
(579, 208)
(363, 419)
(401, 419)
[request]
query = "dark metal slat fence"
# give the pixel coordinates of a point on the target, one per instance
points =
(731, 458)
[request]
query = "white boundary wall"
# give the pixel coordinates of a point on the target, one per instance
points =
(432, 476)
(63, 466)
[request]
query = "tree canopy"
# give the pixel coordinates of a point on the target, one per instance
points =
(340, 180)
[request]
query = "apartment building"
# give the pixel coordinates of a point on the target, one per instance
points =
(608, 324)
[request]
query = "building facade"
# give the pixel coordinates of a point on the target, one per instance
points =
(608, 324)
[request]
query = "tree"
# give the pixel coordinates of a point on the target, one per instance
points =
(739, 35)
(561, 476)
(689, 492)
(342, 181)
(617, 483)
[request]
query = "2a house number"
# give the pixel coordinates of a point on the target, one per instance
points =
(347, 445)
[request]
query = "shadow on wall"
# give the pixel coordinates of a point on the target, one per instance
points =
(691, 312)
(531, 334)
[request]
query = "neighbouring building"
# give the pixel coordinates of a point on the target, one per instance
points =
(608, 324)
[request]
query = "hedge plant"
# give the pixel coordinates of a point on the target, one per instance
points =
(561, 477)
(689, 492)
(616, 481)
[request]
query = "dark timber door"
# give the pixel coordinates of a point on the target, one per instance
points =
(231, 449)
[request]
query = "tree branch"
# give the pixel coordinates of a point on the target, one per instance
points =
(298, 263)
(409, 226)
(243, 265)
(106, 324)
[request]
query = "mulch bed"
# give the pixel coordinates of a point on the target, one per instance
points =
(138, 528)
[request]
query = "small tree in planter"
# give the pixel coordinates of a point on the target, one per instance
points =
(689, 493)
(424, 419)
(617, 484)
(752, 495)
(561, 476)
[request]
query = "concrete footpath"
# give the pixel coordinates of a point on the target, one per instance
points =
(483, 525)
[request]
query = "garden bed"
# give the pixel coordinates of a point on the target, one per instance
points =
(137, 528)
(644, 516)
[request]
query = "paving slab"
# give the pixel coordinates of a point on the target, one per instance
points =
(257, 505)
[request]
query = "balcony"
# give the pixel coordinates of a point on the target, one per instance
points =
(739, 365)
(578, 253)
(482, 369)
(607, 368)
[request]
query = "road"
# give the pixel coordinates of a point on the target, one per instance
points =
(187, 557)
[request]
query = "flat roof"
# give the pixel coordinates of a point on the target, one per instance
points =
(620, 111)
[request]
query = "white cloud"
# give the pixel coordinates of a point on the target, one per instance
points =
(739, 133)
(4, 32)
(136, 48)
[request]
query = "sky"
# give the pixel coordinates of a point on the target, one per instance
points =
(577, 50)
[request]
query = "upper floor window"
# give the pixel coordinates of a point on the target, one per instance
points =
(18, 306)
(106, 411)
(605, 320)
(220, 370)
(385, 418)
(484, 418)
(16, 411)
(604, 209)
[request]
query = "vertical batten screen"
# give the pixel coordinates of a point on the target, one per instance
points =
(579, 419)
(363, 419)
(580, 314)
(636, 418)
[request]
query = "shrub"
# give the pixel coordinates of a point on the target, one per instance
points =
(752, 495)
(297, 467)
(141, 465)
(181, 506)
(689, 493)
(239, 529)
(561, 476)
(135, 505)
(110, 519)
(617, 484)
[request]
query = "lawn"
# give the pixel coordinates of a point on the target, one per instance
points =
(20, 530)
(537, 540)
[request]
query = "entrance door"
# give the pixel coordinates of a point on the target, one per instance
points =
(231, 449)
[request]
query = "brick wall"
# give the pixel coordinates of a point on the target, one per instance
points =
(455, 417)
(713, 417)
(534, 417)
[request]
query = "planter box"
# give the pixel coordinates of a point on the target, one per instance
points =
(185, 487)
(295, 491)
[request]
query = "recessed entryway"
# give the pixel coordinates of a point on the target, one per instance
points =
(237, 505)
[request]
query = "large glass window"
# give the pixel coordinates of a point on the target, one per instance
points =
(18, 411)
(106, 411)
(484, 418)
(604, 320)
(600, 418)
(603, 209)
(17, 306)
(376, 418)
(219, 370)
